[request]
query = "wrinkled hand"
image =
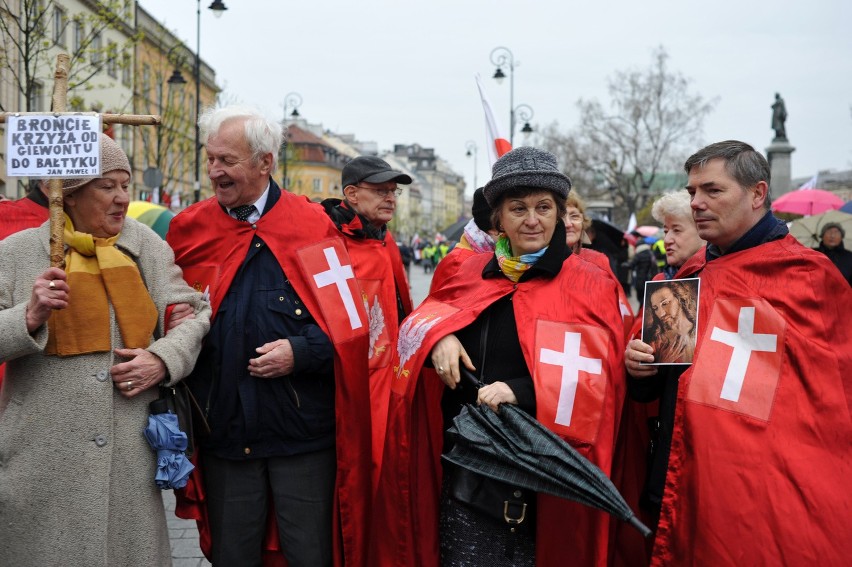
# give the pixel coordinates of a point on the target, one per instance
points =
(180, 313)
(45, 299)
(276, 360)
(445, 357)
(495, 394)
(142, 371)
(637, 352)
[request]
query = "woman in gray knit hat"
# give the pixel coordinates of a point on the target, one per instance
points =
(85, 349)
(531, 325)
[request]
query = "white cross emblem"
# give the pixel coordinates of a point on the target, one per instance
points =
(572, 363)
(744, 342)
(625, 311)
(337, 275)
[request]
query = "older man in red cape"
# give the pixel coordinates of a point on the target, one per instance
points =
(369, 201)
(212, 241)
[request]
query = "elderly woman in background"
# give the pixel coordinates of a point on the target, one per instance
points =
(86, 350)
(498, 320)
(682, 241)
(577, 222)
(646, 383)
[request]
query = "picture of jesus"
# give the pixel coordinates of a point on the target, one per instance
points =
(671, 320)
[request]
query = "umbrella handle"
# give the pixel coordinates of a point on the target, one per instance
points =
(469, 376)
(643, 529)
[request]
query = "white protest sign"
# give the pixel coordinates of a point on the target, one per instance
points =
(47, 145)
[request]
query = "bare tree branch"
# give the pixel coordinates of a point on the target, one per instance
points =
(653, 123)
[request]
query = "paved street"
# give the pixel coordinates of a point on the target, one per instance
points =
(419, 284)
(184, 537)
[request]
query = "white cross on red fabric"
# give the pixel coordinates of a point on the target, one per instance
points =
(744, 342)
(572, 363)
(337, 275)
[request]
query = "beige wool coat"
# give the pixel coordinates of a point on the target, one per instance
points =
(76, 474)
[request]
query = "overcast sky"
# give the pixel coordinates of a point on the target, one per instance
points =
(402, 71)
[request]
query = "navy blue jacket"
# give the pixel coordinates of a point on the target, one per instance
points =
(256, 417)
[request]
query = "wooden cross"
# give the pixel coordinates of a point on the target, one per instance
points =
(60, 97)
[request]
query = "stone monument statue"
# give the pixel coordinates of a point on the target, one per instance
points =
(779, 151)
(779, 117)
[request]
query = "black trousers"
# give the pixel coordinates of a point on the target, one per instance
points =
(302, 489)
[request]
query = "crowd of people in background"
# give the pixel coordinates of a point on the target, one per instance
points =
(330, 397)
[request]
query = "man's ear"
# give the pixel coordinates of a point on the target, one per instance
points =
(759, 194)
(350, 193)
(266, 164)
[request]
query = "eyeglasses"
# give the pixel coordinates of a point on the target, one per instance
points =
(383, 193)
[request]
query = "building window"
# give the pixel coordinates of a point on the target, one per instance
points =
(112, 62)
(59, 24)
(146, 81)
(97, 46)
(124, 138)
(79, 34)
(36, 102)
(126, 69)
(317, 185)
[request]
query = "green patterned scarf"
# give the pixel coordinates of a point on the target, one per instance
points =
(513, 267)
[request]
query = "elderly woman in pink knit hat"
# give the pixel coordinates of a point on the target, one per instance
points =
(85, 350)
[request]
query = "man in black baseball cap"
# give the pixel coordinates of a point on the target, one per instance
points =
(369, 200)
(370, 190)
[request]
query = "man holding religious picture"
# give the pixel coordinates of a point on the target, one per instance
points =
(760, 459)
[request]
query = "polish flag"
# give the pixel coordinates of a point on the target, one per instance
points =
(498, 144)
(810, 183)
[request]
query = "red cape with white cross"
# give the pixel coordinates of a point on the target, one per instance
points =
(210, 246)
(570, 330)
(761, 457)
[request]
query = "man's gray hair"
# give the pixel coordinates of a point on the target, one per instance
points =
(263, 134)
(745, 164)
(672, 204)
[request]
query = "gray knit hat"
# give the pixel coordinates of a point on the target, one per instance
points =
(829, 225)
(526, 167)
(112, 158)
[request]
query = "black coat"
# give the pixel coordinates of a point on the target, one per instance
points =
(841, 258)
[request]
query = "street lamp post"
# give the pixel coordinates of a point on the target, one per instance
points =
(291, 100)
(501, 56)
(525, 113)
(217, 7)
(472, 151)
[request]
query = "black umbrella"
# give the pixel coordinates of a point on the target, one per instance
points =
(513, 447)
(455, 230)
(608, 230)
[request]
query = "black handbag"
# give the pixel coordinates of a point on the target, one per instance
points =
(498, 500)
(179, 400)
(495, 499)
